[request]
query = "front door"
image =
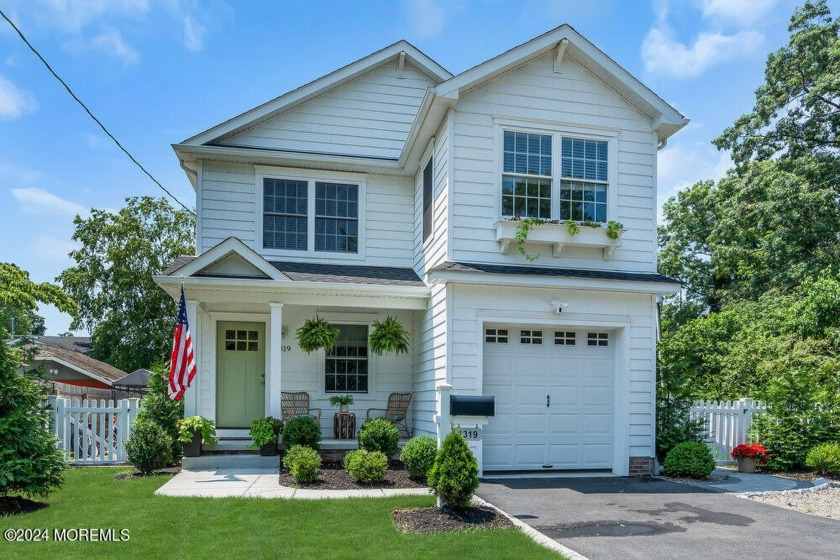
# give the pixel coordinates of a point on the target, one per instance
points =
(240, 373)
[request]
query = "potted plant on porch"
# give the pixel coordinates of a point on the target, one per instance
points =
(315, 334)
(388, 336)
(264, 432)
(749, 455)
(195, 431)
(343, 402)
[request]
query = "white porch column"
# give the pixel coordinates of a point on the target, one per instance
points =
(275, 337)
(191, 394)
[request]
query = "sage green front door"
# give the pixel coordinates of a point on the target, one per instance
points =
(240, 373)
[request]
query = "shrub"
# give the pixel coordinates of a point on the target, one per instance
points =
(265, 430)
(30, 461)
(302, 430)
(825, 458)
(149, 447)
(674, 425)
(304, 463)
(418, 456)
(160, 409)
(454, 474)
(368, 467)
(690, 459)
(379, 435)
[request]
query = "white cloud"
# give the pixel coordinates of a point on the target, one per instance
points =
(726, 33)
(680, 167)
(193, 34)
(427, 17)
(664, 54)
(740, 13)
(39, 201)
(111, 42)
(14, 102)
(53, 249)
(74, 15)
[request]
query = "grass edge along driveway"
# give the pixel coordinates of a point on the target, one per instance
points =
(167, 527)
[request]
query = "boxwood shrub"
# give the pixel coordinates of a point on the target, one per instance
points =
(302, 430)
(149, 447)
(689, 459)
(368, 467)
(379, 435)
(418, 456)
(304, 463)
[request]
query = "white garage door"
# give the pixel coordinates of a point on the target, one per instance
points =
(554, 398)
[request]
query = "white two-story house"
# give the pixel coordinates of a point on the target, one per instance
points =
(391, 187)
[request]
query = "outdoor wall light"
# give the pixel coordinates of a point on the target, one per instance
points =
(558, 305)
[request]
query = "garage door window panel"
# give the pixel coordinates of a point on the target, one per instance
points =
(530, 337)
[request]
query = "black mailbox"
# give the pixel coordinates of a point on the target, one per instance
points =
(465, 405)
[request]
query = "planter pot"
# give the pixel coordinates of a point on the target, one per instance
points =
(193, 448)
(746, 464)
(269, 449)
(344, 408)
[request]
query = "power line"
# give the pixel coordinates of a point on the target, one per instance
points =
(88, 111)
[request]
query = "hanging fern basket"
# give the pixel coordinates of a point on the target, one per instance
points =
(315, 334)
(388, 336)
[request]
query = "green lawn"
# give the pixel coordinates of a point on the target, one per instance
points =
(207, 528)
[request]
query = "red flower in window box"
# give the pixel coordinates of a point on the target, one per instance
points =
(751, 450)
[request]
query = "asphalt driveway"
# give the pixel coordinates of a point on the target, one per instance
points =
(652, 519)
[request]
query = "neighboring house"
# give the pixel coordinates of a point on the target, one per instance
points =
(386, 188)
(137, 381)
(81, 344)
(69, 367)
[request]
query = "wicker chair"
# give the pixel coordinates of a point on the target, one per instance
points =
(297, 404)
(397, 411)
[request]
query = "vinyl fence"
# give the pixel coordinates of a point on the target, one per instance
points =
(93, 432)
(727, 424)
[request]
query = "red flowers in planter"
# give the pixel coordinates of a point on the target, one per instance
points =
(753, 450)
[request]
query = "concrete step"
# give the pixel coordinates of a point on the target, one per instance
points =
(240, 461)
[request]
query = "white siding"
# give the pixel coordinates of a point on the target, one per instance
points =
(228, 194)
(469, 303)
(370, 116)
(535, 93)
(432, 251)
(430, 355)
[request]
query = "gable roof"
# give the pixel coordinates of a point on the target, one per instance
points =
(81, 344)
(78, 362)
(230, 249)
(320, 86)
(137, 378)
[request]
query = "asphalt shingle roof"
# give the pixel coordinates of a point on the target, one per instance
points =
(518, 270)
(79, 360)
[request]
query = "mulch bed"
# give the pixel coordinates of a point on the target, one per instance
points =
(16, 505)
(334, 477)
(438, 520)
(138, 474)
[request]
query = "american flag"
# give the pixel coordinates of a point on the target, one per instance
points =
(182, 368)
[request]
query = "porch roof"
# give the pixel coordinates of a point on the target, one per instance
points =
(317, 272)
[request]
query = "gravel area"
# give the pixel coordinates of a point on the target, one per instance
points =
(825, 503)
(334, 477)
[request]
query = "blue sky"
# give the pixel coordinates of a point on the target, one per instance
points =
(159, 71)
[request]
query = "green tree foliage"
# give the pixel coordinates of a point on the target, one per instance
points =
(159, 409)
(129, 316)
(797, 109)
(20, 296)
(30, 462)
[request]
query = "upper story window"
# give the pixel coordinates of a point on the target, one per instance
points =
(310, 215)
(428, 179)
(569, 184)
(526, 179)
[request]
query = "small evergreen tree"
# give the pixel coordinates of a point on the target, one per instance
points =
(454, 475)
(30, 461)
(163, 411)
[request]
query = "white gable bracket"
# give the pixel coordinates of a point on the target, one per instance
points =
(561, 52)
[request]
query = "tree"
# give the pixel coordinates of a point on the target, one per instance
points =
(797, 109)
(130, 318)
(20, 296)
(30, 461)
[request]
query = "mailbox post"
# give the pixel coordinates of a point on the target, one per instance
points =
(470, 414)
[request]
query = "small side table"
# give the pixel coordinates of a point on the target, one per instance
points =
(344, 425)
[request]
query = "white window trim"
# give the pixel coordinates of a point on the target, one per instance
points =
(311, 176)
(558, 131)
(349, 319)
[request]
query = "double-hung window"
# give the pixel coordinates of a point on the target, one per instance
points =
(310, 215)
(526, 175)
(554, 176)
(346, 365)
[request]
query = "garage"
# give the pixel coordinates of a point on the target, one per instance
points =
(554, 398)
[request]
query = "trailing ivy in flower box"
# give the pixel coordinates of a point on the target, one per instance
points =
(557, 234)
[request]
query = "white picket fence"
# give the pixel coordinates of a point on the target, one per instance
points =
(93, 432)
(727, 424)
